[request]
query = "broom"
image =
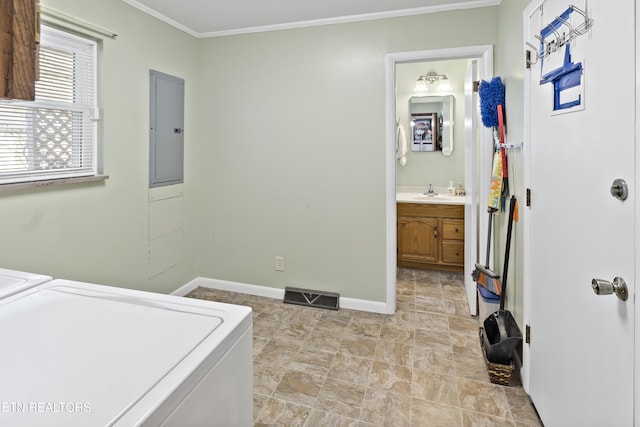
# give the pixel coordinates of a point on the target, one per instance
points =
(482, 274)
(492, 97)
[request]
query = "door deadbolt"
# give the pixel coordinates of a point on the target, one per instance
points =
(619, 189)
(604, 287)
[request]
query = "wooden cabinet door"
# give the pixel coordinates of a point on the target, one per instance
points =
(418, 239)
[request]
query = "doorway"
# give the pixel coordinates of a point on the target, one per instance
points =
(475, 166)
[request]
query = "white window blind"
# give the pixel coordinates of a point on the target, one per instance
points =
(54, 136)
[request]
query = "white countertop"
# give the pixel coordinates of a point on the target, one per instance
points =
(417, 195)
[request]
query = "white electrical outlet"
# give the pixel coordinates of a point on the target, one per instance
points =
(279, 263)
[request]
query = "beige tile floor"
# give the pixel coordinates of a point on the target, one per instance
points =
(422, 366)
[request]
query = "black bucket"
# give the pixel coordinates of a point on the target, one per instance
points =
(501, 336)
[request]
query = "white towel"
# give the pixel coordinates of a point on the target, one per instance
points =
(401, 145)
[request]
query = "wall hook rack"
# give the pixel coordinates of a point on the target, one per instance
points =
(559, 39)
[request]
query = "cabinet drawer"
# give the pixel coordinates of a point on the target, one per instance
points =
(422, 210)
(453, 229)
(453, 252)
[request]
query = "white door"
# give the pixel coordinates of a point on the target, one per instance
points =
(472, 182)
(581, 355)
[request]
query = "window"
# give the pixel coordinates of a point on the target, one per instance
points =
(54, 136)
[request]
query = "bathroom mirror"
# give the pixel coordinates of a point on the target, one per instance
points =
(436, 111)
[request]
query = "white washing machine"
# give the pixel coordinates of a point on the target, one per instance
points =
(80, 354)
(13, 281)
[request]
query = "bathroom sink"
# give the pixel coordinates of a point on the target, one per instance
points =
(439, 198)
(435, 198)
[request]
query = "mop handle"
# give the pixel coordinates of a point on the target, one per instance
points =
(512, 205)
(491, 211)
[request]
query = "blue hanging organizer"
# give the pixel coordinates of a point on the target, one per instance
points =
(569, 75)
(566, 77)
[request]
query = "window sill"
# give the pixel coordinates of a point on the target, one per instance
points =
(51, 183)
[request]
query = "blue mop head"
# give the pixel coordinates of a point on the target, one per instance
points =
(491, 94)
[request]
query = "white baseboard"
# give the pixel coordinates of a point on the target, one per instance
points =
(275, 293)
(364, 305)
(242, 288)
(186, 288)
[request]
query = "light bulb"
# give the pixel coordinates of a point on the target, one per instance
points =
(445, 84)
(421, 85)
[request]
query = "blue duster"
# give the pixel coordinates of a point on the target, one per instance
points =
(491, 94)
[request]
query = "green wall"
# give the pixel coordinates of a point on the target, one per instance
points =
(292, 149)
(285, 156)
(510, 67)
(100, 232)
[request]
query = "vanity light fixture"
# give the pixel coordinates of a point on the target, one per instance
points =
(445, 84)
(433, 80)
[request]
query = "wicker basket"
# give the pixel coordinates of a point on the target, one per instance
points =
(498, 373)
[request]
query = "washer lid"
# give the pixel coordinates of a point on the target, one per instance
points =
(12, 281)
(84, 357)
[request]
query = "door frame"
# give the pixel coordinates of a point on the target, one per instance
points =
(526, 214)
(636, 374)
(476, 188)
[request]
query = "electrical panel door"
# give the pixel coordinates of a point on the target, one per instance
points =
(166, 115)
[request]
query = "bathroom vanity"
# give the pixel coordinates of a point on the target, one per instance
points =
(430, 232)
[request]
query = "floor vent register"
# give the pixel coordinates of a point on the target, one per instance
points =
(310, 298)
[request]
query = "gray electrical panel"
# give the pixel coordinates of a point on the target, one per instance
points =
(166, 130)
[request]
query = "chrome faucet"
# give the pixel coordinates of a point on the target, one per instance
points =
(430, 190)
